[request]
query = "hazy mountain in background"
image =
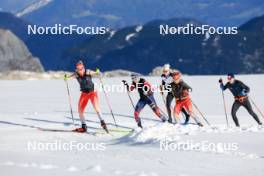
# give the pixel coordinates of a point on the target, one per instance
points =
(47, 47)
(121, 13)
(133, 47)
(140, 48)
(14, 54)
(50, 48)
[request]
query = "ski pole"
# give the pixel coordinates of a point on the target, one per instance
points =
(131, 101)
(107, 100)
(163, 98)
(164, 101)
(70, 100)
(258, 109)
(200, 113)
(223, 95)
(129, 96)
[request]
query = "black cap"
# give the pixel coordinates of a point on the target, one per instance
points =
(134, 75)
(232, 75)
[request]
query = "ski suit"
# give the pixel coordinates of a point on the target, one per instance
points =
(146, 98)
(239, 91)
(166, 81)
(181, 93)
(87, 91)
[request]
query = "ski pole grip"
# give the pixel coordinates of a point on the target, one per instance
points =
(65, 77)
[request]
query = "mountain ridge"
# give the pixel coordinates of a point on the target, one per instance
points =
(193, 54)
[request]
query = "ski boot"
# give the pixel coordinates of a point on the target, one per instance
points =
(170, 120)
(163, 118)
(139, 123)
(186, 120)
(200, 124)
(260, 125)
(82, 129)
(103, 125)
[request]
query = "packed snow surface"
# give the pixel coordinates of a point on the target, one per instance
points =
(37, 112)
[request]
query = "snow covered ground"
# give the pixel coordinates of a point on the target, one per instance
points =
(27, 106)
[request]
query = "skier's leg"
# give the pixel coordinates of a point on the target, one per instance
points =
(248, 106)
(177, 110)
(235, 107)
(81, 107)
(169, 99)
(153, 105)
(189, 107)
(187, 116)
(139, 106)
(96, 106)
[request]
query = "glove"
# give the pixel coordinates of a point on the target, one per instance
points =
(220, 81)
(65, 77)
(97, 71)
(243, 92)
(124, 82)
(161, 89)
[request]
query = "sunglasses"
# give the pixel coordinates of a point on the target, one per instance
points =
(229, 78)
(176, 75)
(80, 68)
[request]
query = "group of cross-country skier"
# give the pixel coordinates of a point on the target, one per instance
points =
(172, 85)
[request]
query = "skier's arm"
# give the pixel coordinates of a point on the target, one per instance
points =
(246, 89)
(147, 87)
(94, 73)
(222, 86)
(66, 77)
(163, 84)
(173, 90)
(129, 87)
(186, 87)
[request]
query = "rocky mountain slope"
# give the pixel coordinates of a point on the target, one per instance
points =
(14, 55)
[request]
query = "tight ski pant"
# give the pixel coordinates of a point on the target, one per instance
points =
(246, 104)
(142, 102)
(83, 101)
(169, 99)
